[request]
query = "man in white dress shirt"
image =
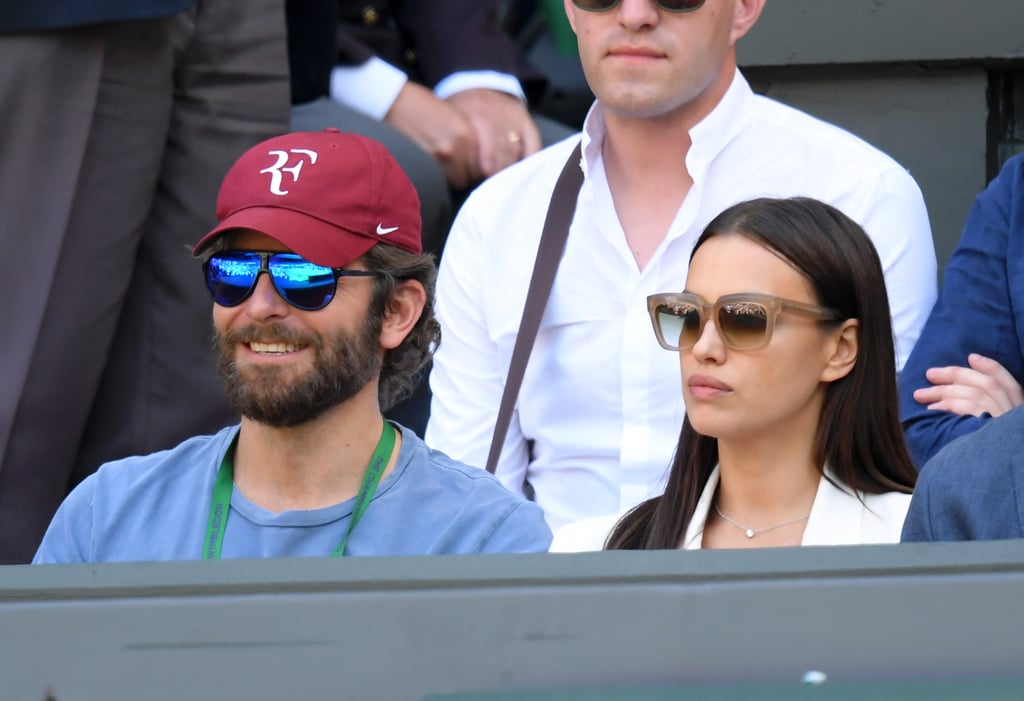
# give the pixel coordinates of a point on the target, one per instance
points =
(675, 136)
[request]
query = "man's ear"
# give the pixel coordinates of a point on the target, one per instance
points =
(401, 313)
(745, 14)
(570, 16)
(844, 344)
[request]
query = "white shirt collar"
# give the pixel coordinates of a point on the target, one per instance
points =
(708, 138)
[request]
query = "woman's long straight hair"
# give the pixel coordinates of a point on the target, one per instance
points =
(859, 435)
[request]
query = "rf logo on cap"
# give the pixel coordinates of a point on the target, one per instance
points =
(328, 196)
(282, 160)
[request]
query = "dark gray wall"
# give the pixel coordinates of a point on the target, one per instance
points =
(935, 83)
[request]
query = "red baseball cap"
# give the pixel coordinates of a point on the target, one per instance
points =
(328, 196)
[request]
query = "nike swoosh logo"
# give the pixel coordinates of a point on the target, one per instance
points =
(381, 231)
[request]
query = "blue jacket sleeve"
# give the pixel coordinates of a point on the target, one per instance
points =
(980, 309)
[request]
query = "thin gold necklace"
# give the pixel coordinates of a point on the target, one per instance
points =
(751, 532)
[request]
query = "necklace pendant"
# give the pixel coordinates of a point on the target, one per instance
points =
(750, 533)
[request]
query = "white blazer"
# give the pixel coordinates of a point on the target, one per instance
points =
(837, 517)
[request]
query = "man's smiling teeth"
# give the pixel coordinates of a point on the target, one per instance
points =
(273, 347)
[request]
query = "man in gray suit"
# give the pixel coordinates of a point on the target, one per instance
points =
(973, 489)
(120, 119)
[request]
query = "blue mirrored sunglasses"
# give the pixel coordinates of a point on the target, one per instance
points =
(667, 5)
(231, 278)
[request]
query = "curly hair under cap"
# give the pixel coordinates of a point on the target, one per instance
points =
(403, 367)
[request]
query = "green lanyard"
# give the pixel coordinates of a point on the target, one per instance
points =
(224, 485)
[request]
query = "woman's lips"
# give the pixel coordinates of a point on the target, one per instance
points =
(705, 387)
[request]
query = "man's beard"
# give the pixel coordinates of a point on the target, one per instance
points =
(342, 366)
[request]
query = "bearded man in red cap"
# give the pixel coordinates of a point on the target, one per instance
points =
(323, 312)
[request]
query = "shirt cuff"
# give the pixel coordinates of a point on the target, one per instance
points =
(370, 88)
(469, 80)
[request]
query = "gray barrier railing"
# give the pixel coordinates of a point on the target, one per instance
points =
(404, 628)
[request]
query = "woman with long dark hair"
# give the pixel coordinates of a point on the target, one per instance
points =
(791, 435)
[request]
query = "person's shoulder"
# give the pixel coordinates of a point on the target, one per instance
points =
(1010, 178)
(103, 516)
(1001, 436)
(888, 506)
(855, 517)
(158, 468)
(825, 138)
(1013, 167)
(995, 443)
(449, 473)
(969, 489)
(883, 516)
(478, 511)
(435, 470)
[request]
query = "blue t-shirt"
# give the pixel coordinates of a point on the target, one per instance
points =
(156, 507)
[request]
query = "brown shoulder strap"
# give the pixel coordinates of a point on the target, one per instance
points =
(549, 253)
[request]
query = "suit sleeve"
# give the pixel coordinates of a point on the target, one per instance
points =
(466, 35)
(977, 311)
(351, 51)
